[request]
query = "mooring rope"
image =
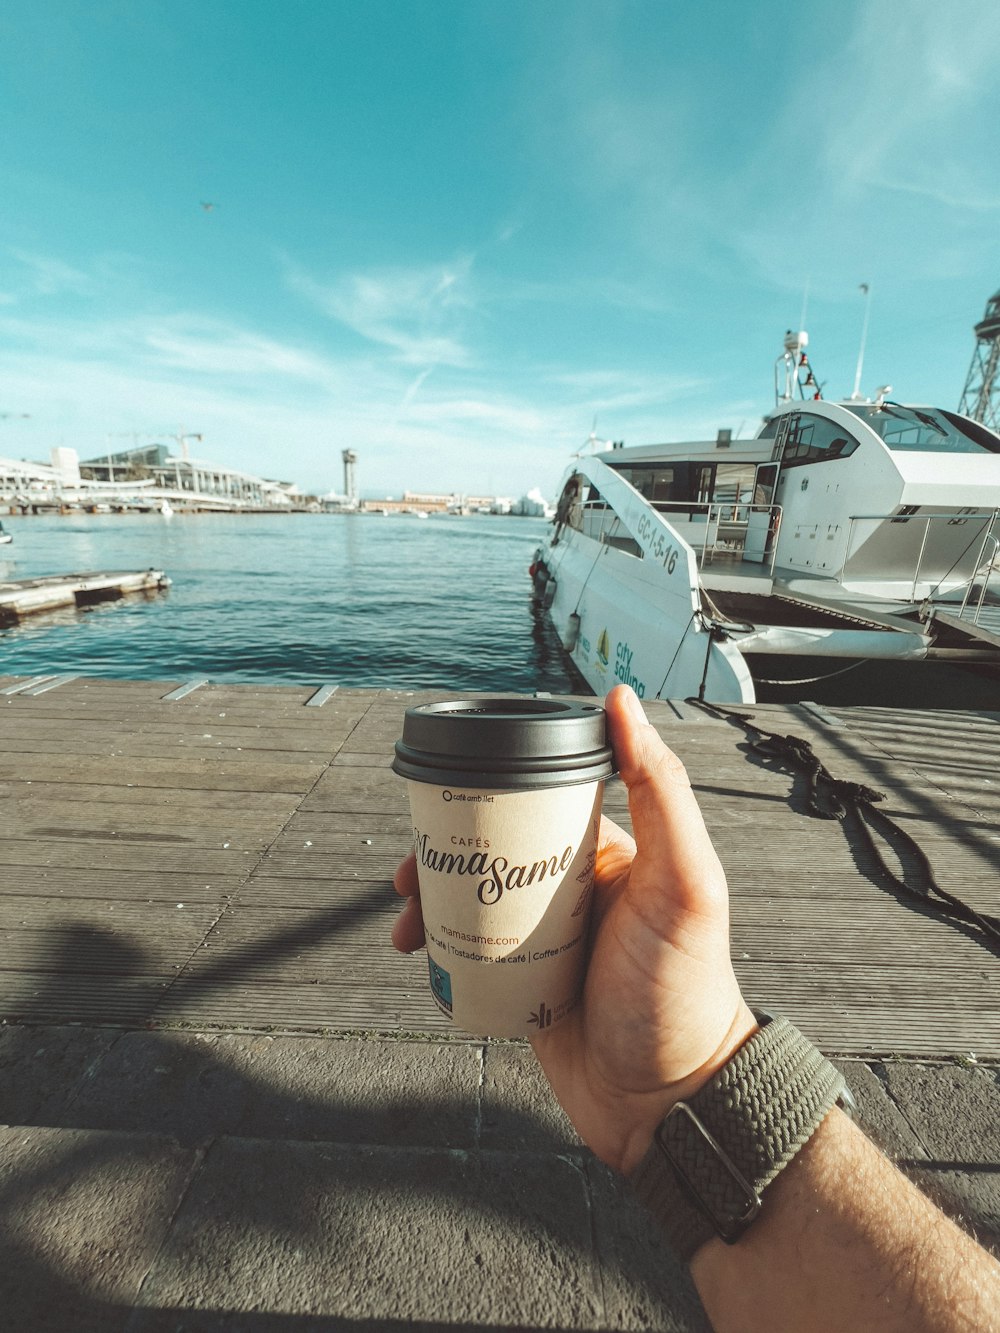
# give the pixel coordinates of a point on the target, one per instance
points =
(810, 680)
(834, 798)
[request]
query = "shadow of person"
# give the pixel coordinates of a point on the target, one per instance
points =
(72, 971)
(148, 1168)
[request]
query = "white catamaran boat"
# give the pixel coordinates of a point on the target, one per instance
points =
(844, 531)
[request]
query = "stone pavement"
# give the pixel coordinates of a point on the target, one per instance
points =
(177, 1180)
(227, 1104)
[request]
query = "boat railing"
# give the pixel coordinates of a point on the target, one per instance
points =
(987, 517)
(986, 567)
(723, 527)
(727, 525)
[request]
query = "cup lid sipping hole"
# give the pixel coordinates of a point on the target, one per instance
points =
(504, 708)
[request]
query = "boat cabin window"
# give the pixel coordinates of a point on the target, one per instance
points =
(763, 490)
(733, 483)
(926, 430)
(654, 481)
(815, 440)
(681, 487)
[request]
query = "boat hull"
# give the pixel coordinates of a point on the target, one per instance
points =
(630, 604)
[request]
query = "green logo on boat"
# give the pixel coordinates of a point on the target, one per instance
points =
(603, 647)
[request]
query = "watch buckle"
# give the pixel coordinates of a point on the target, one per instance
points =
(730, 1228)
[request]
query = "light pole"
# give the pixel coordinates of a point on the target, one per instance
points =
(866, 291)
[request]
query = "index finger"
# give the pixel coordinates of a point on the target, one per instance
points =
(404, 881)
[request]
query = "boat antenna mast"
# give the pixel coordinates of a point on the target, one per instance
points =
(865, 289)
(982, 385)
(793, 375)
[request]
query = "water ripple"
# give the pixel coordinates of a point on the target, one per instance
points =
(288, 599)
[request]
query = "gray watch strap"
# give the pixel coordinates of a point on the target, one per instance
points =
(713, 1155)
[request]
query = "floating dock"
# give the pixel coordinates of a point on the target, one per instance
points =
(210, 1048)
(20, 598)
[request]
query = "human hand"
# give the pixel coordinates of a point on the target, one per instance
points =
(661, 1009)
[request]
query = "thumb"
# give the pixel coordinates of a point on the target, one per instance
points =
(672, 843)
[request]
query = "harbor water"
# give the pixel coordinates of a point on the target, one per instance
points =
(361, 600)
(298, 599)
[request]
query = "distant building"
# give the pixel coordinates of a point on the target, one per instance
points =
(66, 465)
(424, 503)
(23, 478)
(157, 464)
(534, 505)
(138, 478)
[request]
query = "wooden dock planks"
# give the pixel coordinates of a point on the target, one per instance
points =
(278, 825)
(20, 598)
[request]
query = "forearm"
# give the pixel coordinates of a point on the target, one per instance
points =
(844, 1241)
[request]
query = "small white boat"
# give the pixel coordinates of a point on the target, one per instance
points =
(5, 537)
(166, 508)
(843, 532)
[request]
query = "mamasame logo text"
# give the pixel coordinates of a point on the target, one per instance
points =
(496, 874)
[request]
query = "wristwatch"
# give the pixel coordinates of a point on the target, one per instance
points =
(713, 1155)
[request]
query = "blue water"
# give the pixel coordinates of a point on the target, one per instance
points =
(365, 601)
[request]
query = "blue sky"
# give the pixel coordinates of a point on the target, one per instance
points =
(449, 233)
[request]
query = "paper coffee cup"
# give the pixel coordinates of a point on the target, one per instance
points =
(505, 796)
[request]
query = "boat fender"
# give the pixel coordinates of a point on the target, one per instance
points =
(572, 633)
(540, 575)
(549, 593)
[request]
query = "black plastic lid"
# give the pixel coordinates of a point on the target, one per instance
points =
(504, 742)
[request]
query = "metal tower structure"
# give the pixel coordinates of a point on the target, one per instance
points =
(981, 395)
(798, 373)
(350, 478)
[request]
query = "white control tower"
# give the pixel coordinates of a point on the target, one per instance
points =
(350, 477)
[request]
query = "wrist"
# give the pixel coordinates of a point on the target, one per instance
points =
(741, 1028)
(715, 1152)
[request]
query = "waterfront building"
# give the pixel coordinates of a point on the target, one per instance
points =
(534, 505)
(139, 478)
(189, 477)
(420, 502)
(24, 480)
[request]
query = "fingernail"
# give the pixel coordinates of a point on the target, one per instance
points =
(634, 706)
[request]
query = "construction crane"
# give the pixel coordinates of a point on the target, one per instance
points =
(982, 384)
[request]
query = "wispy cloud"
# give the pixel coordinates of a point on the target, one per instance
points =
(49, 276)
(213, 348)
(617, 391)
(417, 313)
(886, 135)
(410, 394)
(951, 190)
(900, 102)
(258, 400)
(168, 347)
(589, 292)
